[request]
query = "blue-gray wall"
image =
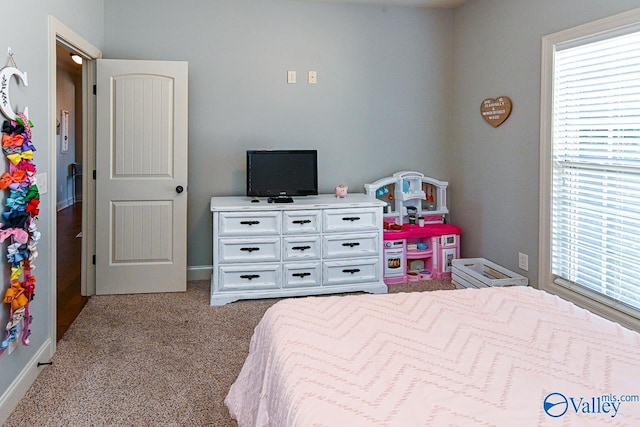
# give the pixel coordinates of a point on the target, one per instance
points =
(25, 28)
(381, 103)
(495, 171)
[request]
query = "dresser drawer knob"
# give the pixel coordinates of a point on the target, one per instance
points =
(301, 248)
(249, 276)
(351, 244)
(351, 270)
(249, 249)
(302, 221)
(351, 218)
(249, 222)
(301, 274)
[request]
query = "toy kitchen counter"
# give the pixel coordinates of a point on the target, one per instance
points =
(420, 253)
(417, 244)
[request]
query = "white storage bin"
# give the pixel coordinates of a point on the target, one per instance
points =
(481, 273)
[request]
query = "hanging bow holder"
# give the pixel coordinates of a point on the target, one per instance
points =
(18, 221)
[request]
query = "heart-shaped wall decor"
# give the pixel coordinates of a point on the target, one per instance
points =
(496, 111)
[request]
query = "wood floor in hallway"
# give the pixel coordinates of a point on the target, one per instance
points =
(69, 246)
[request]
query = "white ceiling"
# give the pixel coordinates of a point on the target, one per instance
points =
(416, 3)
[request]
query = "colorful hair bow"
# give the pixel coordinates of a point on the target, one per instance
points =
(11, 337)
(28, 145)
(20, 192)
(31, 244)
(12, 327)
(34, 237)
(16, 272)
(8, 151)
(29, 284)
(18, 176)
(32, 207)
(19, 235)
(19, 185)
(16, 253)
(15, 296)
(12, 128)
(33, 230)
(33, 254)
(26, 123)
(27, 166)
(33, 241)
(14, 140)
(17, 203)
(15, 158)
(32, 193)
(14, 219)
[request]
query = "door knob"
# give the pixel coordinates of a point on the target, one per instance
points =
(179, 189)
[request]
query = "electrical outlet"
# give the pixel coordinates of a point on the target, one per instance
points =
(291, 77)
(313, 77)
(523, 261)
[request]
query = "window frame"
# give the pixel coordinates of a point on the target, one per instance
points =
(595, 302)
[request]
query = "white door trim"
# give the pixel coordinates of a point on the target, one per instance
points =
(60, 33)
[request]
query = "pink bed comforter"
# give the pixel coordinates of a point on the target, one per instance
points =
(497, 356)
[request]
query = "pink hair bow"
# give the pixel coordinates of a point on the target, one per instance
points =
(19, 235)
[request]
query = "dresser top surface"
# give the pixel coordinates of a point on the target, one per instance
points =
(321, 201)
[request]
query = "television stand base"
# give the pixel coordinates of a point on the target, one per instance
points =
(280, 200)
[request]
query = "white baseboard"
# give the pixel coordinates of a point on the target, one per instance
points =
(19, 387)
(63, 204)
(199, 272)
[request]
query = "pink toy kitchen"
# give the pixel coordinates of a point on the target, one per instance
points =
(418, 243)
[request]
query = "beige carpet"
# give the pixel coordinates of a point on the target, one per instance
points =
(150, 360)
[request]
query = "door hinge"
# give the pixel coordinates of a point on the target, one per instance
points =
(94, 259)
(95, 89)
(94, 174)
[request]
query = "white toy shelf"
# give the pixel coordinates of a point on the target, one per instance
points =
(413, 193)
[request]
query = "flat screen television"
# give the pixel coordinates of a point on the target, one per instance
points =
(282, 174)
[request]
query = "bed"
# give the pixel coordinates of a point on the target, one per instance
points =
(496, 356)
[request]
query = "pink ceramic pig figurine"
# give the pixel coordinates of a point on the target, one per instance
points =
(341, 191)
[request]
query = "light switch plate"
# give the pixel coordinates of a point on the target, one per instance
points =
(41, 182)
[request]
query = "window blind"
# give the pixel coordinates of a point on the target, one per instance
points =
(596, 168)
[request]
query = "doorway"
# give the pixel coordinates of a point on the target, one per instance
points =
(68, 191)
(61, 36)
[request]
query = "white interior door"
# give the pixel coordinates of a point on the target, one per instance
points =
(141, 176)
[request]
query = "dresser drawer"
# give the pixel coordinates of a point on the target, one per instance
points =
(335, 220)
(301, 222)
(298, 275)
(243, 277)
(265, 249)
(300, 248)
(353, 271)
(351, 245)
(249, 223)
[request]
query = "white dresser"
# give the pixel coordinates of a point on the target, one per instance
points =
(315, 245)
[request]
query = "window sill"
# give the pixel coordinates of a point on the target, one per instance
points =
(619, 313)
